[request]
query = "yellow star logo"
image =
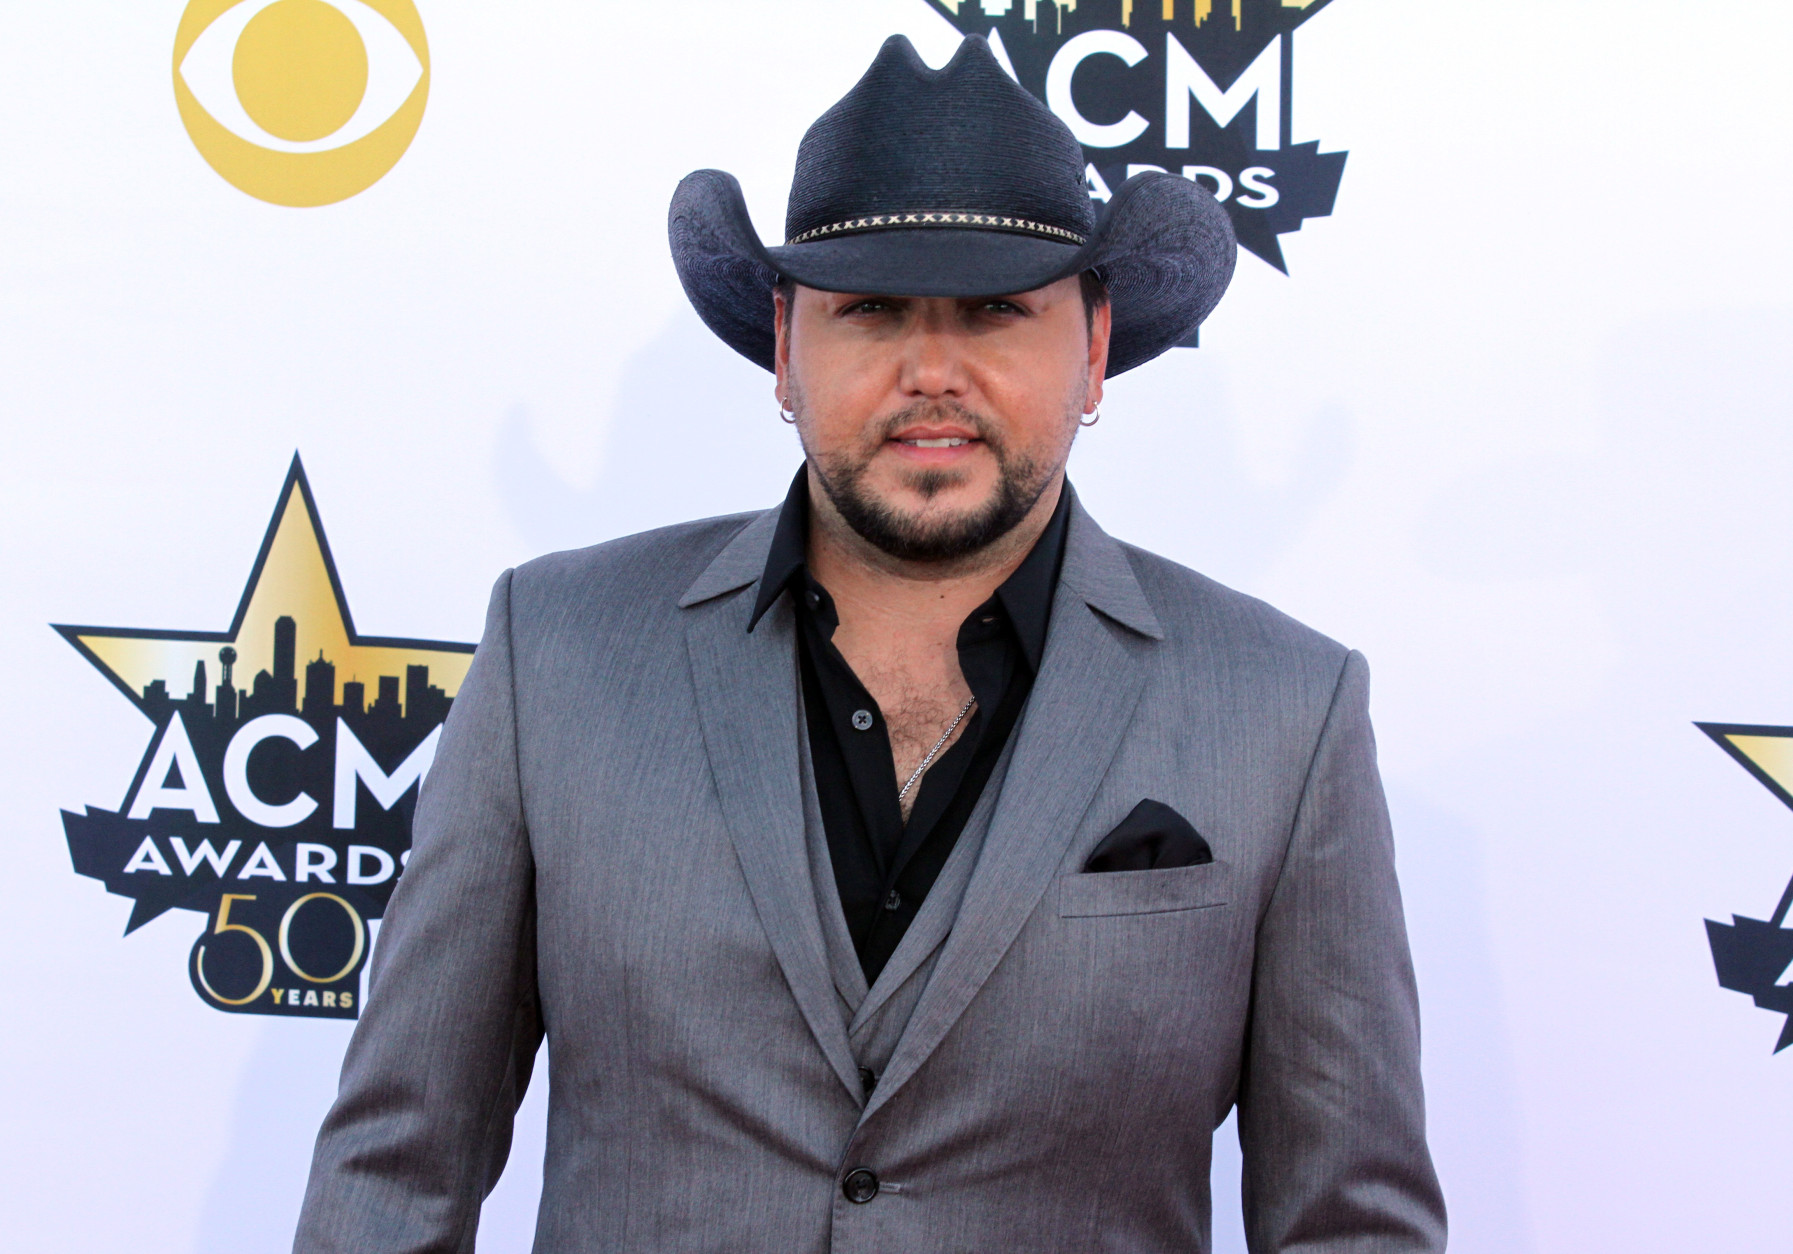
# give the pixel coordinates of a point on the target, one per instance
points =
(292, 613)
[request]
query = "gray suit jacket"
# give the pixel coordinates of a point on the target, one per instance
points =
(611, 849)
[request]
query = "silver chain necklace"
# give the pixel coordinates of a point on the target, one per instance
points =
(944, 737)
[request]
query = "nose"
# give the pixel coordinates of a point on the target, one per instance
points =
(933, 361)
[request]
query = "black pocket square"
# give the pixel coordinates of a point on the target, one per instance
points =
(1152, 837)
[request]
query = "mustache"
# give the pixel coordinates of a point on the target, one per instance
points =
(940, 411)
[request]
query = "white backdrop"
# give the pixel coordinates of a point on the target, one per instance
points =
(1517, 426)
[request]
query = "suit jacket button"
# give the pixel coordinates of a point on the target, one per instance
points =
(860, 1185)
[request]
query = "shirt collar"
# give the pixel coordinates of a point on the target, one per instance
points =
(1026, 595)
(789, 543)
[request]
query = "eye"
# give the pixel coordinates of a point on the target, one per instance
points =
(303, 76)
(870, 305)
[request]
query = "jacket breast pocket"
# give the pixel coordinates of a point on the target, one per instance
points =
(1145, 892)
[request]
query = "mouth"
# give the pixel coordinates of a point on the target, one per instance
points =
(934, 443)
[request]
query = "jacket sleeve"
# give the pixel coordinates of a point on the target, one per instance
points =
(441, 1057)
(1331, 1111)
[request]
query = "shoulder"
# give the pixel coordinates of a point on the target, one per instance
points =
(1205, 617)
(634, 576)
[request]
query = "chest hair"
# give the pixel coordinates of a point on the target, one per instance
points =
(918, 704)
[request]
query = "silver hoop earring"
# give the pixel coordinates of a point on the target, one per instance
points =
(1094, 418)
(787, 415)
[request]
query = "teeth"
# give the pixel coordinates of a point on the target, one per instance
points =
(950, 441)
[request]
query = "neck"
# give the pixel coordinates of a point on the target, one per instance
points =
(876, 592)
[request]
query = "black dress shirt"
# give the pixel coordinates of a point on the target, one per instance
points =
(883, 866)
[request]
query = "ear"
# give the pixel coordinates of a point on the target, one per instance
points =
(1101, 328)
(781, 352)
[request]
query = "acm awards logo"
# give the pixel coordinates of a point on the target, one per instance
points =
(301, 102)
(276, 792)
(1754, 956)
(1201, 88)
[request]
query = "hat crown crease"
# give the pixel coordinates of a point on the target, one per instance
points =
(965, 138)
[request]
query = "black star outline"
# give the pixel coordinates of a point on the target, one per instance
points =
(1750, 955)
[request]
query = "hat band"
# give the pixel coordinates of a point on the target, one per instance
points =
(988, 221)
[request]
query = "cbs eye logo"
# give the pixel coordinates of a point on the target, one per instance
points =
(301, 102)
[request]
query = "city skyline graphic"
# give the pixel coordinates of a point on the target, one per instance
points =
(294, 576)
(278, 692)
(1193, 12)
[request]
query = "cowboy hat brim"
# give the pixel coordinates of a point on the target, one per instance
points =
(1163, 246)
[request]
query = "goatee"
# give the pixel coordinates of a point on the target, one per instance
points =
(1020, 482)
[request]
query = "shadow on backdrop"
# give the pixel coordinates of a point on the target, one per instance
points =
(1164, 470)
(286, 1085)
(1472, 1090)
(694, 432)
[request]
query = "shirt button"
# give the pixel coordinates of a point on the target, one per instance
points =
(868, 1080)
(862, 720)
(813, 597)
(894, 901)
(860, 1186)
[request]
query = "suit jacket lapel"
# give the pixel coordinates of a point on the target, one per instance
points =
(748, 698)
(1090, 679)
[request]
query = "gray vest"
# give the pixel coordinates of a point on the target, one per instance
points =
(875, 1017)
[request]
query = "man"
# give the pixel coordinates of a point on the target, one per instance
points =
(912, 867)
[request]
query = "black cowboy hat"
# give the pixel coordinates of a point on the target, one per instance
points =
(952, 182)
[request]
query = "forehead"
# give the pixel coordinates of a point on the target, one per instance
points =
(1050, 291)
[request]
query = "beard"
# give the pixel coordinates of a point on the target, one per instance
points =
(1020, 482)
